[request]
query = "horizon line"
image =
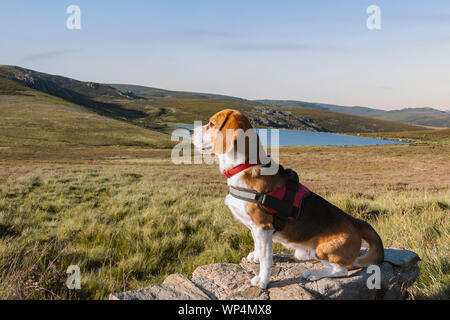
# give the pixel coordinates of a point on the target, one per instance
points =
(237, 97)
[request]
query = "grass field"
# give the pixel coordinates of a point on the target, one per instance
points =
(439, 137)
(129, 217)
(41, 120)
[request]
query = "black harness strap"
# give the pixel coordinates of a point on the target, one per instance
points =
(285, 208)
(245, 194)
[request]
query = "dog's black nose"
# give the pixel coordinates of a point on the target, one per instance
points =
(191, 132)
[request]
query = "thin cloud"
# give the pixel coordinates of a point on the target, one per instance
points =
(204, 33)
(425, 17)
(49, 54)
(281, 47)
(386, 87)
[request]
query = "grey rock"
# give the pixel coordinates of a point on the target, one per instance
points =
(174, 287)
(400, 257)
(212, 290)
(293, 291)
(274, 118)
(248, 292)
(226, 281)
(181, 284)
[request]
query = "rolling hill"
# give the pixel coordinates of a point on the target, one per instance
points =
(189, 106)
(356, 111)
(61, 109)
(419, 116)
(33, 118)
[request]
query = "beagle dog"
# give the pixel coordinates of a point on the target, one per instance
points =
(321, 231)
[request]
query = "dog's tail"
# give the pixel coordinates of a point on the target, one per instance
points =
(376, 250)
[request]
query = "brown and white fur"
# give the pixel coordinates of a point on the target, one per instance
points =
(322, 231)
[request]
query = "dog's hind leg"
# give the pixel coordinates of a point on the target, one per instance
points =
(337, 254)
(304, 254)
(332, 271)
(264, 249)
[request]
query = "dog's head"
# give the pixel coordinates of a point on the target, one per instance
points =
(221, 133)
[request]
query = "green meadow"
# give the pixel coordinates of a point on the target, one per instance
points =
(128, 217)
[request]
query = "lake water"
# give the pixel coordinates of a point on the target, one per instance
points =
(307, 138)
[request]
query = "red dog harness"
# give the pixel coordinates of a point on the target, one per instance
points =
(284, 203)
(279, 194)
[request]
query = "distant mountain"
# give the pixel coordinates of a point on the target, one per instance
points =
(419, 116)
(283, 116)
(157, 108)
(357, 111)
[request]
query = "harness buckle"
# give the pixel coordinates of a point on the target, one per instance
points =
(282, 208)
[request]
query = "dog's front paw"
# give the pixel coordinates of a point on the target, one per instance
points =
(253, 257)
(258, 282)
(311, 275)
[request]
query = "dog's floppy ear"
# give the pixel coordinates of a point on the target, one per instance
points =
(229, 125)
(223, 136)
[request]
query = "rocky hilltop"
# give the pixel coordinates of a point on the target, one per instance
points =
(227, 281)
(276, 118)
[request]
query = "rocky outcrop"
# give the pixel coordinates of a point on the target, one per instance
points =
(227, 281)
(129, 95)
(273, 118)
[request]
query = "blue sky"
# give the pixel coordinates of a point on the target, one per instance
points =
(319, 51)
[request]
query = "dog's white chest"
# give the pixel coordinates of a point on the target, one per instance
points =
(238, 207)
(239, 210)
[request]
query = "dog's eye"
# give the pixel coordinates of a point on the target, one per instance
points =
(211, 124)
